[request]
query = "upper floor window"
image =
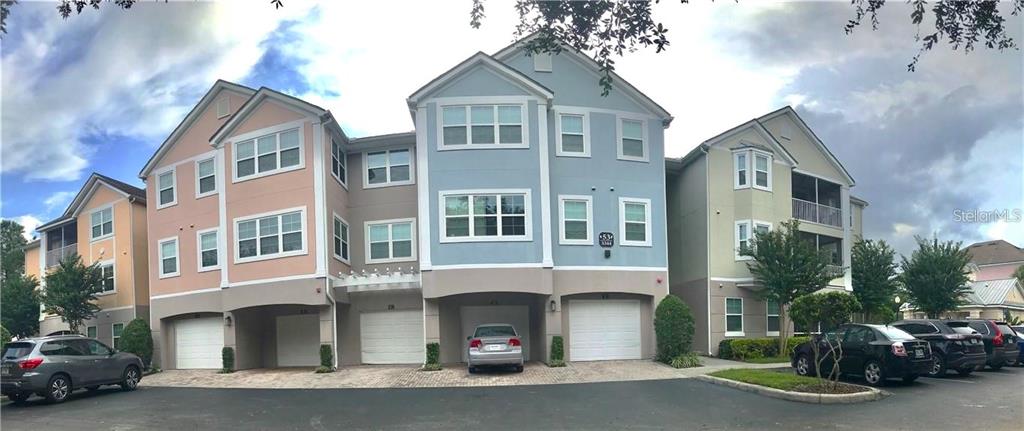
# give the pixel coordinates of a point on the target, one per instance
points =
(168, 257)
(340, 239)
(102, 222)
(635, 221)
(167, 194)
(388, 168)
(762, 170)
(632, 140)
(390, 241)
(206, 177)
(747, 160)
(265, 155)
(339, 165)
(746, 231)
(482, 126)
(740, 160)
(487, 216)
(572, 135)
(207, 248)
(276, 235)
(107, 274)
(576, 215)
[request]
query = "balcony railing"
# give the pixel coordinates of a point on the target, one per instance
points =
(53, 257)
(817, 213)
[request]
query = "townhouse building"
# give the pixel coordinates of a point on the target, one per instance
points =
(105, 224)
(748, 179)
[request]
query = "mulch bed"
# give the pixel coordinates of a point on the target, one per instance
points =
(827, 388)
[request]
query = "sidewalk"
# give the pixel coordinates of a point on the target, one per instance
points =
(455, 375)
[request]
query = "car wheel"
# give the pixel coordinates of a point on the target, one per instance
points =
(803, 365)
(873, 373)
(519, 368)
(965, 371)
(131, 378)
(938, 366)
(472, 370)
(910, 378)
(19, 397)
(996, 367)
(58, 389)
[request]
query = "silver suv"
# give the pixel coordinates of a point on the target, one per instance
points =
(53, 367)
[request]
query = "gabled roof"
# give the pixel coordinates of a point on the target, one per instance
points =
(761, 130)
(624, 85)
(995, 252)
(991, 292)
(250, 105)
(858, 201)
(95, 180)
(480, 59)
(190, 118)
(788, 110)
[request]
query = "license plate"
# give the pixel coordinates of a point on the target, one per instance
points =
(919, 353)
(493, 347)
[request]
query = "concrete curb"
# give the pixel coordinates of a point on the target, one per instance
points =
(871, 395)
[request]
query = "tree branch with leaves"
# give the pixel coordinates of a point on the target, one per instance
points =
(873, 273)
(71, 291)
(825, 310)
(935, 278)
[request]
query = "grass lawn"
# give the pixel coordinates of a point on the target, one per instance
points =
(771, 360)
(784, 380)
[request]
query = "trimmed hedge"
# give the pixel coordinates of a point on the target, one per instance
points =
(227, 356)
(673, 328)
(138, 339)
(754, 348)
(557, 349)
(326, 356)
(433, 353)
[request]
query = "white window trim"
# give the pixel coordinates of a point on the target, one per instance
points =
(751, 225)
(558, 132)
(766, 317)
(753, 165)
(750, 165)
(334, 234)
(199, 250)
(366, 233)
(103, 236)
(735, 170)
(113, 338)
(389, 183)
(726, 315)
(561, 220)
(527, 212)
(281, 254)
(523, 105)
(174, 187)
(110, 263)
(97, 331)
(618, 139)
(343, 159)
(216, 172)
(160, 257)
(622, 222)
(235, 140)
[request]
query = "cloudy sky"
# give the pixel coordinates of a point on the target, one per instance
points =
(100, 91)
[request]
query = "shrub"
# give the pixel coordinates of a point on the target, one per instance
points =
(686, 360)
(556, 363)
(138, 339)
(725, 349)
(432, 367)
(754, 348)
(793, 342)
(322, 369)
(326, 357)
(673, 327)
(227, 356)
(433, 357)
(5, 336)
(557, 349)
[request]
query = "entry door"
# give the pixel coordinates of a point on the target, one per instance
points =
(198, 342)
(392, 337)
(604, 329)
(516, 315)
(298, 340)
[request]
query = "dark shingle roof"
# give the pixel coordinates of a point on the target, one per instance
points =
(122, 186)
(993, 252)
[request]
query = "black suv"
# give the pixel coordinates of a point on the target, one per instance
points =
(953, 348)
(1000, 340)
(877, 352)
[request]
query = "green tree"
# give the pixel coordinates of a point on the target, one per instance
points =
(787, 267)
(826, 310)
(71, 291)
(12, 252)
(5, 335)
(1019, 274)
(19, 305)
(673, 328)
(935, 278)
(138, 339)
(873, 270)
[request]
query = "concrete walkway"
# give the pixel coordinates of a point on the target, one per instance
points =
(455, 375)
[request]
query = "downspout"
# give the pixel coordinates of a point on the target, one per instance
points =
(334, 320)
(131, 245)
(707, 233)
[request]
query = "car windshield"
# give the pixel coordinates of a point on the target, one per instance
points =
(894, 333)
(1005, 329)
(495, 331)
(17, 350)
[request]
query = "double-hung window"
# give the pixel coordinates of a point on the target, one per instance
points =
(576, 213)
(340, 239)
(635, 221)
(206, 177)
(276, 235)
(167, 193)
(740, 178)
(632, 140)
(107, 275)
(168, 248)
(762, 170)
(388, 167)
(116, 330)
(102, 222)
(275, 152)
(493, 126)
(90, 331)
(748, 160)
(734, 317)
(746, 232)
(207, 248)
(485, 216)
(772, 313)
(339, 166)
(390, 241)
(572, 135)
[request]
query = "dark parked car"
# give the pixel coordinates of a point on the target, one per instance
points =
(1020, 344)
(53, 367)
(1000, 340)
(877, 352)
(953, 348)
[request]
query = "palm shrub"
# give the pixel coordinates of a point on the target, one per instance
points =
(138, 339)
(673, 326)
(557, 352)
(227, 356)
(686, 360)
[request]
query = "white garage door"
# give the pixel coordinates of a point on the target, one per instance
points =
(392, 337)
(198, 342)
(516, 315)
(604, 329)
(298, 340)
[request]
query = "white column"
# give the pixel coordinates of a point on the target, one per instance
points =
(423, 188)
(844, 199)
(319, 206)
(545, 185)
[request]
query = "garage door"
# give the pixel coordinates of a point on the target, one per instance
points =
(198, 342)
(298, 340)
(516, 315)
(392, 337)
(604, 330)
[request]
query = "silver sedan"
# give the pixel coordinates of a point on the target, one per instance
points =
(495, 344)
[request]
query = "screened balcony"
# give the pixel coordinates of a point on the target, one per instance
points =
(61, 242)
(816, 200)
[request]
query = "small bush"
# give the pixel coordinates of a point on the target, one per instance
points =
(755, 348)
(322, 369)
(725, 349)
(433, 353)
(686, 360)
(138, 339)
(557, 349)
(793, 342)
(431, 367)
(326, 356)
(673, 327)
(556, 363)
(227, 356)
(5, 335)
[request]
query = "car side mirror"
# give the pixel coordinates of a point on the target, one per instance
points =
(469, 338)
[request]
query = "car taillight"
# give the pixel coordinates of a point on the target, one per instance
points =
(998, 340)
(475, 343)
(898, 349)
(514, 342)
(29, 364)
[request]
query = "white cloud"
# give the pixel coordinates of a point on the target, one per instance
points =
(58, 201)
(30, 223)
